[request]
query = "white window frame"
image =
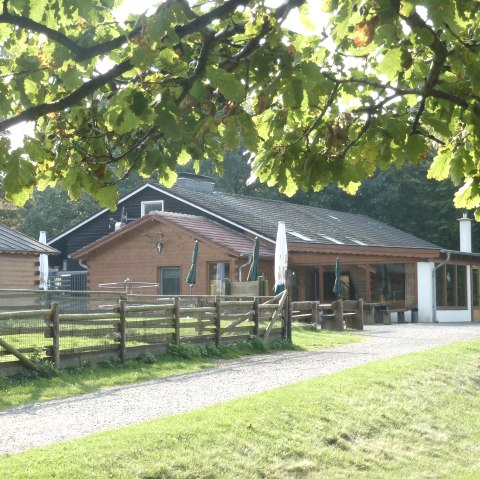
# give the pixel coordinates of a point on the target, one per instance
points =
(159, 202)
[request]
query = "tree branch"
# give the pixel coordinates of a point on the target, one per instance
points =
(353, 142)
(35, 112)
(434, 92)
(437, 46)
(31, 25)
(89, 87)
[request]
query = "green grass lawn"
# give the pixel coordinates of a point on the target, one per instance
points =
(415, 416)
(25, 390)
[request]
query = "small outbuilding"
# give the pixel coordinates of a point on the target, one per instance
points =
(157, 248)
(20, 259)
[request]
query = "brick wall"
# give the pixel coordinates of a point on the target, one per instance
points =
(19, 271)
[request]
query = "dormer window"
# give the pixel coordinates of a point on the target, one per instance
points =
(148, 206)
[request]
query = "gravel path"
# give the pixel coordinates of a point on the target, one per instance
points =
(44, 423)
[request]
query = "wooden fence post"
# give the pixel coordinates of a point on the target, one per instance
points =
(122, 329)
(23, 359)
(337, 307)
(290, 316)
(176, 319)
(315, 314)
(286, 318)
(358, 321)
(255, 318)
(56, 334)
(218, 322)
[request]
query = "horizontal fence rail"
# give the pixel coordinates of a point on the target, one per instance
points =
(124, 329)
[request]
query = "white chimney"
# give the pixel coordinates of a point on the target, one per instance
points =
(465, 234)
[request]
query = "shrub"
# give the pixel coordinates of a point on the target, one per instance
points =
(147, 358)
(113, 362)
(184, 351)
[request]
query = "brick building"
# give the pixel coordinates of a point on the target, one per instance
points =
(379, 263)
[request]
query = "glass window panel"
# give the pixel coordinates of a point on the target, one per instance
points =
(440, 284)
(170, 281)
(148, 206)
(387, 282)
(461, 285)
(218, 271)
(476, 286)
(451, 285)
(217, 274)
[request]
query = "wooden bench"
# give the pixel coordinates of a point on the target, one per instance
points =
(387, 315)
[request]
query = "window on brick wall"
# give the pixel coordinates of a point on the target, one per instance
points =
(170, 281)
(217, 274)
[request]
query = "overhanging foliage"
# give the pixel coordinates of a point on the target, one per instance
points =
(383, 83)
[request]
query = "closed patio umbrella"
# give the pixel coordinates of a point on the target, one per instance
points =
(43, 263)
(281, 258)
(337, 287)
(192, 274)
(253, 271)
(384, 288)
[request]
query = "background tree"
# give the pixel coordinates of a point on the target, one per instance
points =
(383, 82)
(8, 212)
(53, 211)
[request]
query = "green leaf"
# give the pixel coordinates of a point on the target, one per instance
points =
(139, 102)
(19, 178)
(440, 169)
(468, 196)
(226, 83)
(183, 158)
(293, 93)
(143, 56)
(416, 148)
(351, 188)
(107, 197)
(168, 177)
(71, 78)
(312, 72)
(474, 72)
(166, 58)
(122, 120)
(167, 123)
(438, 125)
(390, 65)
(231, 137)
(407, 7)
(248, 132)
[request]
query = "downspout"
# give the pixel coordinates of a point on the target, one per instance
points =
(249, 262)
(434, 286)
(82, 264)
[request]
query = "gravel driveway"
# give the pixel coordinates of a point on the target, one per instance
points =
(44, 423)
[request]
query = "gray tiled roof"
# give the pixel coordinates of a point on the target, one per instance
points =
(13, 242)
(314, 225)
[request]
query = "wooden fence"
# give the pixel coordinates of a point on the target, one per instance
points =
(334, 317)
(131, 330)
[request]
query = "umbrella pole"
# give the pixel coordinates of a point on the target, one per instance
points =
(191, 287)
